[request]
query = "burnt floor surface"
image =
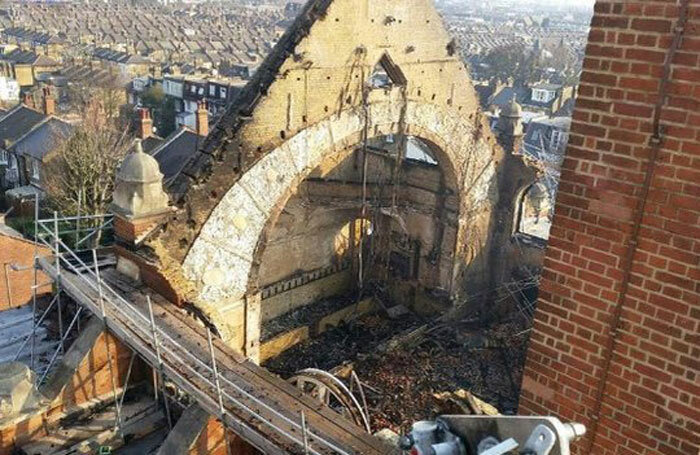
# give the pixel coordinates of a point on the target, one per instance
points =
(401, 383)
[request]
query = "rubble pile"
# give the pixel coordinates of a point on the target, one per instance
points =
(342, 344)
(406, 385)
(408, 365)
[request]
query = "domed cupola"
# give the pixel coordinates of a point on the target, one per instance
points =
(138, 186)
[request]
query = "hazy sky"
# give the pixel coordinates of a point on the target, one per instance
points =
(558, 2)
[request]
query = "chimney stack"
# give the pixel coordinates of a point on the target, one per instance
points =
(202, 118)
(49, 102)
(145, 123)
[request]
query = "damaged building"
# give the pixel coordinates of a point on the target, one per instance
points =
(353, 224)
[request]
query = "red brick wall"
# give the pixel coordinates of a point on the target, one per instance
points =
(16, 286)
(616, 341)
(91, 380)
(211, 441)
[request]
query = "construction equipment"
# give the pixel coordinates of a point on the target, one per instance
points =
(491, 435)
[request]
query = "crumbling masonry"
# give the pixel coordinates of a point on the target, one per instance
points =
(303, 187)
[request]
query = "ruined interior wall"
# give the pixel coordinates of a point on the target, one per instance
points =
(304, 239)
(294, 295)
(312, 232)
(304, 236)
(615, 343)
(518, 257)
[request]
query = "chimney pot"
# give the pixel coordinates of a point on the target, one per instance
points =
(145, 123)
(49, 102)
(202, 119)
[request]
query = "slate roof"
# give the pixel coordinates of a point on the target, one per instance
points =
(548, 86)
(19, 56)
(41, 140)
(118, 56)
(175, 151)
(523, 95)
(539, 134)
(503, 97)
(18, 122)
(43, 60)
(29, 35)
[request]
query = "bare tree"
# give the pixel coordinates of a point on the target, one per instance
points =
(111, 91)
(80, 171)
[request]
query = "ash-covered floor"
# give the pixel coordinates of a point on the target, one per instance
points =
(405, 361)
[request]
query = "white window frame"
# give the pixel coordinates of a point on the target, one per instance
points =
(35, 170)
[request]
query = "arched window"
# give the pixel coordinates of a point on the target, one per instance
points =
(534, 215)
(350, 236)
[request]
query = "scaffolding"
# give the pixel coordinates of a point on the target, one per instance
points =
(82, 230)
(81, 261)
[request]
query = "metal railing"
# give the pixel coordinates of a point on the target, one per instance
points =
(79, 229)
(180, 357)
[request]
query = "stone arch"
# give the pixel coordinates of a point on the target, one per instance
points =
(445, 165)
(521, 206)
(220, 262)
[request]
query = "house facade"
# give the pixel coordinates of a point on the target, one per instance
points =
(27, 138)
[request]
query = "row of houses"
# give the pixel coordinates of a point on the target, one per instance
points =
(209, 36)
(25, 67)
(188, 93)
(29, 134)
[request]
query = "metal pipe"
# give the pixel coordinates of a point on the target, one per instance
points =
(58, 280)
(34, 323)
(77, 221)
(155, 384)
(159, 359)
(95, 231)
(36, 279)
(55, 354)
(222, 411)
(305, 432)
(215, 371)
(8, 285)
(31, 336)
(118, 423)
(126, 381)
(73, 218)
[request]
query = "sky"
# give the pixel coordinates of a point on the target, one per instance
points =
(557, 2)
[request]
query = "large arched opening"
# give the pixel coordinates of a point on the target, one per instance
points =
(414, 201)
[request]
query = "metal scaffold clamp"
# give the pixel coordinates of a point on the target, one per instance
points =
(491, 435)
